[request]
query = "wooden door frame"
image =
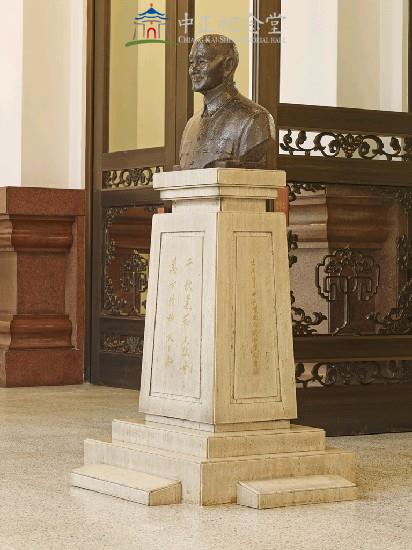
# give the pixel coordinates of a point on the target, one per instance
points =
(102, 162)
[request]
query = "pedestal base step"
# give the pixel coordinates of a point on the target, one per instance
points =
(128, 484)
(290, 491)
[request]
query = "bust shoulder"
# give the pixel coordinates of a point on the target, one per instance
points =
(249, 108)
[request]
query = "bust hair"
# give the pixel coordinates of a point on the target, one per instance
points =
(222, 45)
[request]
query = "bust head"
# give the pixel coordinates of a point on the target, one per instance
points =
(213, 61)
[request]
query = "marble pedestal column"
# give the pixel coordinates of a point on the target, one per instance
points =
(218, 389)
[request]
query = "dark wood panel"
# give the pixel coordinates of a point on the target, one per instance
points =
(354, 410)
(325, 348)
(410, 58)
(133, 159)
(130, 197)
(122, 325)
(352, 171)
(119, 371)
(89, 180)
(313, 117)
(267, 89)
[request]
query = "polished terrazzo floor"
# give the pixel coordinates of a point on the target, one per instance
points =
(41, 435)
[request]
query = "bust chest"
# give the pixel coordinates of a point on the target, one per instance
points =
(210, 139)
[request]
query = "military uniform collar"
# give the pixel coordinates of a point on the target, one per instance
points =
(217, 98)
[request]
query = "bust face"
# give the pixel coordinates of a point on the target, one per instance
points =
(207, 67)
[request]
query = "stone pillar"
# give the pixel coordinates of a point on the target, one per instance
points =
(42, 286)
(218, 335)
(218, 385)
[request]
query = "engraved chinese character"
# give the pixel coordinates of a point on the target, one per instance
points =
(185, 367)
(275, 20)
(186, 22)
(254, 24)
(173, 266)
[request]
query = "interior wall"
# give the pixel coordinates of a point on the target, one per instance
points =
(405, 57)
(122, 97)
(11, 67)
(309, 53)
(345, 53)
(53, 97)
(137, 81)
(151, 89)
(359, 54)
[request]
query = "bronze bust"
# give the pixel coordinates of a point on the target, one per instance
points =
(231, 130)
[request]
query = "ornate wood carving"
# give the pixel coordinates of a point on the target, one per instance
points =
(296, 189)
(351, 274)
(347, 373)
(404, 252)
(399, 319)
(302, 323)
(336, 144)
(123, 297)
(120, 343)
(130, 178)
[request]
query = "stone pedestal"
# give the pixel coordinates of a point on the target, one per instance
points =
(42, 286)
(218, 388)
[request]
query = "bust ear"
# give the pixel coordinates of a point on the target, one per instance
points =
(229, 66)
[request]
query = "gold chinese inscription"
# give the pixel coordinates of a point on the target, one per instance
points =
(178, 318)
(255, 320)
(171, 314)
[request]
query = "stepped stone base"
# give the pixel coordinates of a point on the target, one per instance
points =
(127, 485)
(209, 466)
(218, 377)
(290, 491)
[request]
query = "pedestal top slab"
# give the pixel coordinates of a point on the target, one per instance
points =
(219, 183)
(220, 176)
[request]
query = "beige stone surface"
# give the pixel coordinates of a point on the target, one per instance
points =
(223, 177)
(292, 491)
(218, 337)
(134, 486)
(219, 445)
(217, 428)
(41, 441)
(209, 481)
